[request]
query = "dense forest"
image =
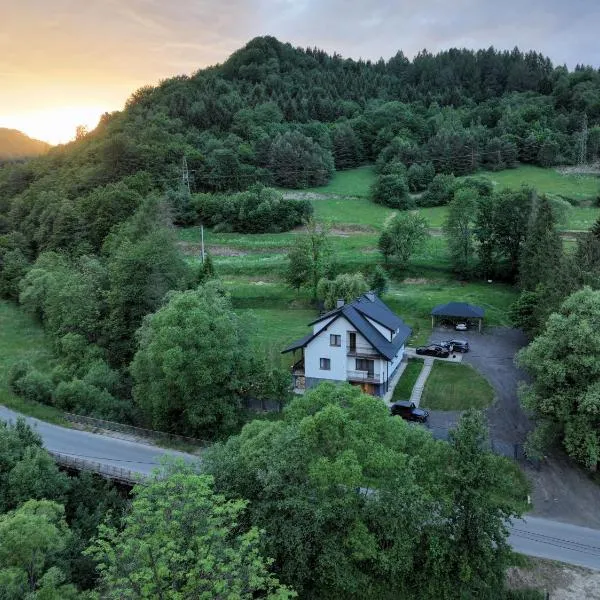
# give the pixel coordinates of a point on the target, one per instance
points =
(333, 499)
(15, 145)
(86, 239)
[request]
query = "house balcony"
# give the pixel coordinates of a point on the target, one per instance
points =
(364, 376)
(362, 351)
(298, 368)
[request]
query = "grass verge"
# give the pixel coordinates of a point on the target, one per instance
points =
(452, 386)
(407, 381)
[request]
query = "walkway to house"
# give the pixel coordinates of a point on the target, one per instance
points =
(417, 391)
(387, 397)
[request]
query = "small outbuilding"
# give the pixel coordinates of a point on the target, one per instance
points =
(456, 312)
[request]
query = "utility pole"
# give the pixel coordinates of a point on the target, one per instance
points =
(185, 176)
(583, 141)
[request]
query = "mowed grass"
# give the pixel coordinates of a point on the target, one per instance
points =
(22, 339)
(272, 329)
(407, 380)
(414, 299)
(452, 386)
(353, 182)
(351, 211)
(546, 181)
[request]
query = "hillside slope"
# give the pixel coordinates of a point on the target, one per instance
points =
(15, 144)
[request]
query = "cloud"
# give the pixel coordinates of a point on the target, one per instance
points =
(106, 46)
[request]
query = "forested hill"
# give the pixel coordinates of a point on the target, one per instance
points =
(16, 145)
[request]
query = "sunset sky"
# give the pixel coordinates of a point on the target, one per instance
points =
(65, 62)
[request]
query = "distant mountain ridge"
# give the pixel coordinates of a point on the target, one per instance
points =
(15, 144)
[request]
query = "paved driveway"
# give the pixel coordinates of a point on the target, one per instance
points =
(561, 490)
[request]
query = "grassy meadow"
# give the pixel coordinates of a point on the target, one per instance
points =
(253, 266)
(22, 339)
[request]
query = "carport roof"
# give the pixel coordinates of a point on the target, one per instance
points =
(458, 309)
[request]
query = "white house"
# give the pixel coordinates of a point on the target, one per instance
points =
(361, 342)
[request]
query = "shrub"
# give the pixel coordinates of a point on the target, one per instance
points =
(439, 192)
(392, 190)
(16, 372)
(83, 398)
(420, 176)
(258, 210)
(36, 387)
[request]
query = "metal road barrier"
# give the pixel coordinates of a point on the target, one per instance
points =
(139, 431)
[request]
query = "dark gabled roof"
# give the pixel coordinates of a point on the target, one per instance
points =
(371, 306)
(458, 309)
(357, 312)
(299, 343)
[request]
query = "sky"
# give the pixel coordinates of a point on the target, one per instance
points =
(65, 62)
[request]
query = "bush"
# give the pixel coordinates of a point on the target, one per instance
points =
(420, 176)
(439, 192)
(83, 398)
(392, 190)
(36, 387)
(258, 210)
(16, 372)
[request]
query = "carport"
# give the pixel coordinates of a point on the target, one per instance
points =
(457, 311)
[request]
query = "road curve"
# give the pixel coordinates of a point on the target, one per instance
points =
(532, 536)
(115, 452)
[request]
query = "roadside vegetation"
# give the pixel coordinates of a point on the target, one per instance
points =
(419, 198)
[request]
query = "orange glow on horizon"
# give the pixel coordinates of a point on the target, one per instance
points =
(55, 125)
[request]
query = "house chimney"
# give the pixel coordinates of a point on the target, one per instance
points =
(340, 303)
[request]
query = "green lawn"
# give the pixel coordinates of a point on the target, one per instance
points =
(353, 182)
(407, 381)
(452, 386)
(351, 211)
(23, 339)
(546, 181)
(272, 329)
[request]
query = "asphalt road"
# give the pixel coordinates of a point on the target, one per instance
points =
(532, 536)
(133, 456)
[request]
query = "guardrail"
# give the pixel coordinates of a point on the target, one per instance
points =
(364, 376)
(108, 471)
(140, 431)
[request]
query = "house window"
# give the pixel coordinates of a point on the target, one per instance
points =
(363, 364)
(325, 364)
(335, 340)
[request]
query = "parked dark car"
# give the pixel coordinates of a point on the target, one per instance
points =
(408, 411)
(456, 345)
(433, 350)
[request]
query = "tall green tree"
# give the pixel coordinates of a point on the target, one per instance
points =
(31, 540)
(564, 363)
(542, 252)
(404, 235)
(459, 229)
(310, 258)
(189, 366)
(181, 541)
(346, 286)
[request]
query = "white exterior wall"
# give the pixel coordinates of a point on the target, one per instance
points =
(384, 331)
(320, 348)
(318, 326)
(341, 363)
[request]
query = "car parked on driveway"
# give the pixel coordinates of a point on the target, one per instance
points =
(455, 345)
(461, 327)
(433, 350)
(408, 411)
